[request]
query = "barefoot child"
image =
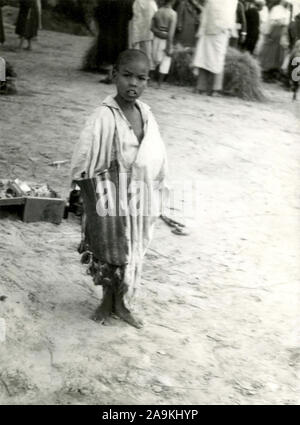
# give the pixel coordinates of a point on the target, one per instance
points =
(121, 141)
(163, 27)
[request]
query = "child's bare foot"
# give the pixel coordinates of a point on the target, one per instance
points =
(123, 313)
(101, 314)
(105, 308)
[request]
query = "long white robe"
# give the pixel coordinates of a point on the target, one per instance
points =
(144, 164)
(143, 12)
(218, 18)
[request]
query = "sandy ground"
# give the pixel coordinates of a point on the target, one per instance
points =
(221, 306)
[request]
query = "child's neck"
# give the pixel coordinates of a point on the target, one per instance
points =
(124, 104)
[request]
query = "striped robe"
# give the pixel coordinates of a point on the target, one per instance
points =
(107, 139)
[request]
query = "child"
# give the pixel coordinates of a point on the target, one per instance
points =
(163, 27)
(121, 140)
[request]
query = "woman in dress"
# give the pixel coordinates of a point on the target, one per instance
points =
(272, 52)
(28, 22)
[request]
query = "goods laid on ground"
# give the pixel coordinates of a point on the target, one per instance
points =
(32, 201)
(9, 85)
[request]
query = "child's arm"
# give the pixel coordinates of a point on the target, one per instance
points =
(156, 31)
(180, 16)
(171, 33)
(93, 150)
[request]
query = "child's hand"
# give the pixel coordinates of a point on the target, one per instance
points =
(169, 51)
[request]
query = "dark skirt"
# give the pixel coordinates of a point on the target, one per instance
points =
(113, 18)
(272, 54)
(105, 234)
(188, 21)
(28, 19)
(2, 35)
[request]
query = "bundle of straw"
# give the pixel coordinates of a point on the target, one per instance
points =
(242, 74)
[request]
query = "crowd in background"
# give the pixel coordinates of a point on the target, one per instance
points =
(267, 29)
(28, 23)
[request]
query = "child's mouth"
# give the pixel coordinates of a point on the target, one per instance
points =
(131, 92)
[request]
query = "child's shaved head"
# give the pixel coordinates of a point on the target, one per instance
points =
(132, 55)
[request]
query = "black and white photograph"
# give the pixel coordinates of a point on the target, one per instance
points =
(149, 205)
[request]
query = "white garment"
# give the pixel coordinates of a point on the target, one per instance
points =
(218, 20)
(159, 55)
(217, 16)
(146, 47)
(296, 7)
(278, 15)
(263, 29)
(143, 12)
(263, 20)
(211, 51)
(145, 164)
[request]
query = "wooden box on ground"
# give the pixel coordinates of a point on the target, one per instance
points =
(37, 209)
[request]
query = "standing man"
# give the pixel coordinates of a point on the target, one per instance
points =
(253, 25)
(218, 19)
(239, 32)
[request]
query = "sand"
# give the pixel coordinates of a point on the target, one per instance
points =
(221, 306)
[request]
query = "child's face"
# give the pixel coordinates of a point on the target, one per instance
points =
(131, 79)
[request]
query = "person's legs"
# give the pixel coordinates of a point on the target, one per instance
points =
(217, 83)
(147, 48)
(21, 43)
(164, 69)
(29, 47)
(119, 307)
(114, 291)
(201, 86)
(105, 308)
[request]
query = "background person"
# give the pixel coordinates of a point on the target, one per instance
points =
(253, 25)
(112, 17)
(188, 18)
(239, 32)
(263, 27)
(28, 21)
(217, 21)
(141, 34)
(163, 27)
(273, 52)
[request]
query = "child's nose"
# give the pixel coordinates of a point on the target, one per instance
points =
(133, 81)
